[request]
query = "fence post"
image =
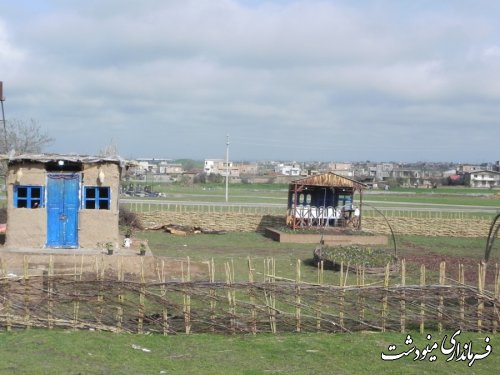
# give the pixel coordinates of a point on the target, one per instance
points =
(213, 293)
(361, 298)
(142, 296)
(187, 297)
(231, 295)
(297, 296)
(403, 295)
(341, 296)
(497, 297)
(319, 296)
(252, 295)
(77, 281)
(100, 292)
(461, 281)
(480, 307)
(385, 298)
(163, 294)
(422, 303)
(50, 286)
(442, 277)
(119, 310)
(269, 277)
(26, 279)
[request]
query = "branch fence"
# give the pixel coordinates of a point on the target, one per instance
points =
(276, 209)
(115, 300)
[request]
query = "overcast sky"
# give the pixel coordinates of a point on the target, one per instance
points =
(286, 79)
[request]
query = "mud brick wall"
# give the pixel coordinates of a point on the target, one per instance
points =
(244, 222)
(430, 227)
(228, 221)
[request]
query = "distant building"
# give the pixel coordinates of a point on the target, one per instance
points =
(449, 172)
(144, 166)
(407, 177)
(248, 169)
(288, 170)
(483, 179)
(213, 166)
(468, 168)
(218, 166)
(383, 171)
(342, 169)
(150, 165)
(171, 169)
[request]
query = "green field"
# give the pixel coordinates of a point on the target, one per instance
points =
(237, 247)
(440, 199)
(277, 194)
(67, 352)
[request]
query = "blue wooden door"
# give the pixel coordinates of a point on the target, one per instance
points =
(62, 209)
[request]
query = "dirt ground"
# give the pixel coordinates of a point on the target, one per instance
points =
(15, 262)
(416, 256)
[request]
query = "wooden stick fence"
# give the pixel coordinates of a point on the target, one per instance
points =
(112, 302)
(279, 209)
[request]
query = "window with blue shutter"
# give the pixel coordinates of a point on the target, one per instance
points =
(97, 198)
(28, 196)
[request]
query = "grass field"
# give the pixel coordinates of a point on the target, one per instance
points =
(237, 247)
(441, 199)
(67, 352)
(260, 187)
(277, 194)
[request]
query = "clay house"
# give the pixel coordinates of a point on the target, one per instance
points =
(325, 200)
(62, 201)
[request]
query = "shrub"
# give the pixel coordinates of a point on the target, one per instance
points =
(129, 219)
(356, 255)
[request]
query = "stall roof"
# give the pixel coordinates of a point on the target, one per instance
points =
(329, 179)
(49, 158)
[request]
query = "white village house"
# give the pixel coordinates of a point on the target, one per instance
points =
(483, 179)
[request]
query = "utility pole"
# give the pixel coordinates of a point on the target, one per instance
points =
(2, 99)
(227, 167)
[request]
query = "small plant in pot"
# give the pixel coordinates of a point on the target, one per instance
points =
(142, 249)
(110, 248)
(127, 242)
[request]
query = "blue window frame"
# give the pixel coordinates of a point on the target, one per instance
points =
(97, 197)
(28, 196)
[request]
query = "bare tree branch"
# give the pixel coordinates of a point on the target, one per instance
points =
(23, 137)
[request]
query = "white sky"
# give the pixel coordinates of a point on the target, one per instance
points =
(303, 80)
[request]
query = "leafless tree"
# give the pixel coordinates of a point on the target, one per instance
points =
(21, 136)
(110, 150)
